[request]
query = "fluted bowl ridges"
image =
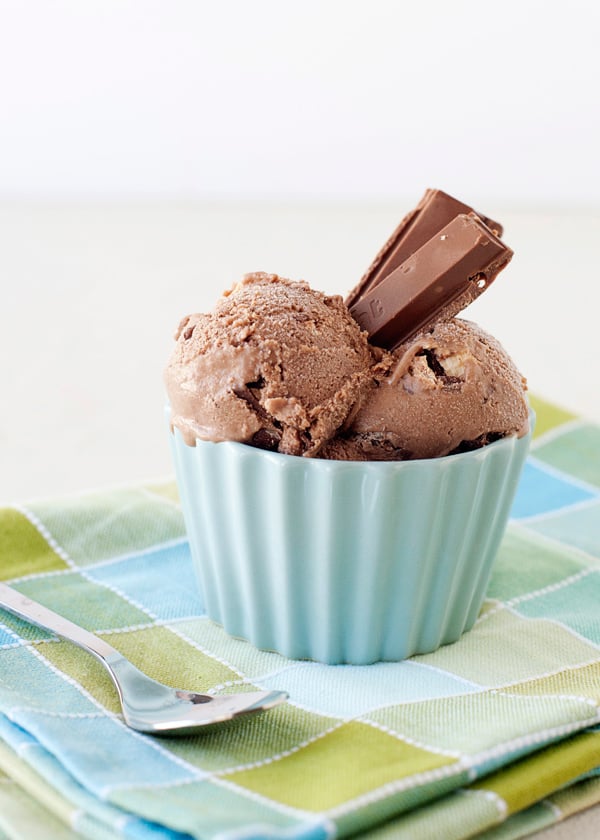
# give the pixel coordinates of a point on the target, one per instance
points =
(344, 562)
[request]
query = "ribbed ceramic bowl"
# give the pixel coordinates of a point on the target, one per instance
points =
(342, 561)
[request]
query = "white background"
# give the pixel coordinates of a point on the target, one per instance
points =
(152, 152)
(339, 99)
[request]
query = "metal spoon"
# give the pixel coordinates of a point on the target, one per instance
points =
(148, 705)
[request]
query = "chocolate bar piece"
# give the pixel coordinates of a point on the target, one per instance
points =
(437, 280)
(433, 212)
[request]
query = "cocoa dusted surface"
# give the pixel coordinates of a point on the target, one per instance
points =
(276, 364)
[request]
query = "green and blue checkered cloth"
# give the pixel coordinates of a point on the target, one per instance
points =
(495, 736)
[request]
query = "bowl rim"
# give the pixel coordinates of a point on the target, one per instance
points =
(246, 450)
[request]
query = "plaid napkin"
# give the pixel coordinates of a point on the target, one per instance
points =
(495, 736)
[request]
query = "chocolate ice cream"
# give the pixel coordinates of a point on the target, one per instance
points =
(283, 367)
(276, 365)
(449, 389)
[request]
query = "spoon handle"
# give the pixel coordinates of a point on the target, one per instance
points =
(23, 607)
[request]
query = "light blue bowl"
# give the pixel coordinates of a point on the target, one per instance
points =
(343, 561)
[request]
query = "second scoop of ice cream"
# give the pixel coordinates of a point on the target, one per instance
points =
(276, 364)
(449, 389)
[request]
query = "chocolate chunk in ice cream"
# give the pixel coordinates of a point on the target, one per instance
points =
(449, 389)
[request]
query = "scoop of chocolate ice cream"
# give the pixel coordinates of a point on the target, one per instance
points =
(451, 388)
(276, 364)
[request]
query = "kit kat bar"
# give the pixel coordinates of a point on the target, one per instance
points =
(435, 210)
(437, 281)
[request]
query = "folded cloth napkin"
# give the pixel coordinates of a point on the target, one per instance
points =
(496, 736)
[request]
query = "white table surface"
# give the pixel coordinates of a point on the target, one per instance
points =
(91, 295)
